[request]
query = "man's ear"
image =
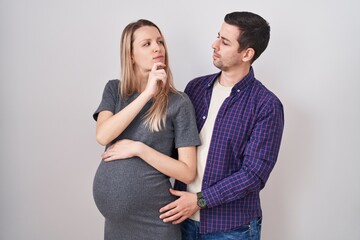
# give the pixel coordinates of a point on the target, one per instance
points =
(248, 54)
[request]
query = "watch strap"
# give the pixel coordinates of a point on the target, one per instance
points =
(201, 200)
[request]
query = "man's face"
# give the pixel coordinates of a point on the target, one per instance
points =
(226, 46)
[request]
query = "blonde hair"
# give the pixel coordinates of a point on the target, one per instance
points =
(155, 117)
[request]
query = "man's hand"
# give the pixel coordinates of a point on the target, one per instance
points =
(180, 209)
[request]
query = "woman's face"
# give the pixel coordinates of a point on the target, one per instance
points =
(148, 48)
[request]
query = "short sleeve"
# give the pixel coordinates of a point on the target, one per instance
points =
(109, 98)
(186, 132)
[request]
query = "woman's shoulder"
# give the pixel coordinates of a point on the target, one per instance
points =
(113, 82)
(112, 86)
(179, 97)
(179, 100)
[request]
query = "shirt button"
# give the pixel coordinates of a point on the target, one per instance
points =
(204, 117)
(238, 90)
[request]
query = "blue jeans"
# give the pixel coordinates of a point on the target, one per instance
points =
(190, 231)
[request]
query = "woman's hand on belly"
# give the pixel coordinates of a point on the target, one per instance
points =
(122, 149)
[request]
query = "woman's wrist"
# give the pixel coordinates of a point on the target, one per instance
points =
(139, 148)
(147, 94)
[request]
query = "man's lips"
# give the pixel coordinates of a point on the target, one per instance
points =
(215, 55)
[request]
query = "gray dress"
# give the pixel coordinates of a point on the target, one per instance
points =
(130, 192)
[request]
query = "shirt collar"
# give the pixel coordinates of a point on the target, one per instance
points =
(241, 85)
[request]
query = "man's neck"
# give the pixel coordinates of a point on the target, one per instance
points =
(230, 78)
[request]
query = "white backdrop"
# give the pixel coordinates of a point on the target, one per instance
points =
(56, 56)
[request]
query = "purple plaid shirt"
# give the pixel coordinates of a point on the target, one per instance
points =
(243, 150)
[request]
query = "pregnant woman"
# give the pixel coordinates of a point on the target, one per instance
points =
(142, 120)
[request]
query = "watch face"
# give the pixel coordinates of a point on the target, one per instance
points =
(201, 203)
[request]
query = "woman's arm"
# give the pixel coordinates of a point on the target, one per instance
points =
(110, 125)
(183, 169)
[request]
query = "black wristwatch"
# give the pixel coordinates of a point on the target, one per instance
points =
(201, 200)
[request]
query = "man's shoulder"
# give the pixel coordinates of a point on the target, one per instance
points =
(201, 81)
(264, 95)
(207, 76)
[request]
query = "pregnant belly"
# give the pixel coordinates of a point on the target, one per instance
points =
(127, 188)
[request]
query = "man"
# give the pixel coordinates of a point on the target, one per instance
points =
(241, 124)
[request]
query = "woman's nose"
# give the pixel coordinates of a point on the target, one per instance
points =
(157, 47)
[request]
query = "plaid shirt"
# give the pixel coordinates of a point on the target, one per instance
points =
(243, 150)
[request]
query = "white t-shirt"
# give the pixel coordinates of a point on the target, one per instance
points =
(219, 94)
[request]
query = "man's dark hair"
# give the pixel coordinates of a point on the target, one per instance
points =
(254, 31)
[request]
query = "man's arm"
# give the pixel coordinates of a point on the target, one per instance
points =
(259, 159)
